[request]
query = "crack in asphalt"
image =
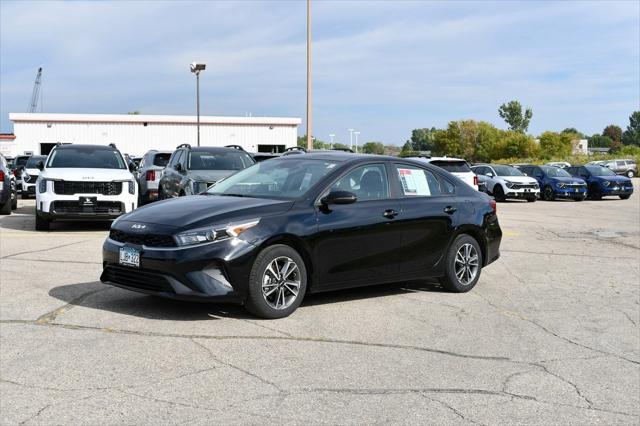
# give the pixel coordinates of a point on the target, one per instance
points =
(40, 411)
(451, 408)
(569, 254)
(548, 331)
(45, 249)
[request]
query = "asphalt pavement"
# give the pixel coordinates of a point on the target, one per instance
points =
(550, 335)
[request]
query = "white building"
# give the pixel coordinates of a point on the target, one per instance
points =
(136, 134)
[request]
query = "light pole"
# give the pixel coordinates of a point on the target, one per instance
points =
(356, 133)
(350, 138)
(309, 94)
(196, 68)
(331, 136)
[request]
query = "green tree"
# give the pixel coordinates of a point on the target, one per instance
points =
(554, 144)
(599, 141)
(422, 139)
(317, 143)
(340, 146)
(517, 120)
(613, 132)
(373, 148)
(631, 136)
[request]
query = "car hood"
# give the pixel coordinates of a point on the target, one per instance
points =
(210, 175)
(202, 210)
(616, 179)
(87, 175)
(519, 179)
(567, 179)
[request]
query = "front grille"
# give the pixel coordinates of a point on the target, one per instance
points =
(524, 186)
(149, 240)
(65, 187)
(137, 279)
(110, 207)
(574, 185)
(32, 179)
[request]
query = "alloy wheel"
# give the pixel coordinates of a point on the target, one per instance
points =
(281, 282)
(466, 264)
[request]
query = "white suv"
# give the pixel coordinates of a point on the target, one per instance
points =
(507, 182)
(84, 182)
(456, 166)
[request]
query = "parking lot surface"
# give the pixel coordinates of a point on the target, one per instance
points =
(549, 335)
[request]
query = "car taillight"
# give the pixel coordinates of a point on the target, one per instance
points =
(475, 180)
(1, 176)
(493, 205)
(151, 175)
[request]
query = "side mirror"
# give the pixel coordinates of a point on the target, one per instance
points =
(178, 167)
(339, 197)
(40, 165)
(490, 174)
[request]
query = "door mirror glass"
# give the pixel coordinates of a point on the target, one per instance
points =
(339, 197)
(178, 167)
(40, 165)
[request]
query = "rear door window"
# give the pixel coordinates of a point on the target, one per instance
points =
(418, 182)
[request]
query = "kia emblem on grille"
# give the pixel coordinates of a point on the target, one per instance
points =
(138, 226)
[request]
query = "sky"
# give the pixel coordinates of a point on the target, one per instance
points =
(380, 67)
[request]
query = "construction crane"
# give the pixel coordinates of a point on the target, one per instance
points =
(36, 91)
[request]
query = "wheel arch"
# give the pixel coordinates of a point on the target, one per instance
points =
(477, 234)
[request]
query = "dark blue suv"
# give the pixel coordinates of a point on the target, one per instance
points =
(556, 183)
(603, 182)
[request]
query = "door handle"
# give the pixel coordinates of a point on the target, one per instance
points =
(450, 210)
(390, 214)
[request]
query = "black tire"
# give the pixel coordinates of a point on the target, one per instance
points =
(450, 280)
(578, 199)
(531, 200)
(630, 174)
(625, 197)
(6, 208)
(595, 193)
(14, 196)
(160, 193)
(24, 195)
(42, 224)
(498, 193)
(256, 302)
(548, 194)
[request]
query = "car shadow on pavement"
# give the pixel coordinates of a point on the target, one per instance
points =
(95, 295)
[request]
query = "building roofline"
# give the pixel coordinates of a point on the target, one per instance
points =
(157, 119)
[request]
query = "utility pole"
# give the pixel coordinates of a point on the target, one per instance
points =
(356, 133)
(350, 138)
(309, 94)
(331, 136)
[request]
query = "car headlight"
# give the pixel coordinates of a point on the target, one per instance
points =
(508, 183)
(42, 185)
(606, 183)
(560, 184)
(215, 233)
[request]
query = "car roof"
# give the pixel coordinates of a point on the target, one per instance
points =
(213, 149)
(96, 147)
(429, 159)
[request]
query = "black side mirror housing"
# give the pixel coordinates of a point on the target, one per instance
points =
(178, 167)
(40, 165)
(339, 197)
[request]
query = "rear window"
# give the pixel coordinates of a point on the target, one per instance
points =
(21, 161)
(33, 160)
(161, 160)
(85, 157)
(453, 166)
(228, 160)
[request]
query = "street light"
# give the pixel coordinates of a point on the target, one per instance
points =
(356, 133)
(331, 136)
(196, 68)
(350, 138)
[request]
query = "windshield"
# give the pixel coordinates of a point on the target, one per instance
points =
(555, 172)
(86, 158)
(161, 160)
(31, 164)
(600, 171)
(224, 160)
(452, 166)
(279, 179)
(21, 161)
(507, 171)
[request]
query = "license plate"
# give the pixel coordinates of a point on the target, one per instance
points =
(88, 201)
(130, 256)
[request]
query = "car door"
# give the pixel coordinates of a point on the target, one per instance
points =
(175, 176)
(429, 210)
(166, 181)
(357, 243)
(539, 175)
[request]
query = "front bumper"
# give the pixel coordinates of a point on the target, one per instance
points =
(213, 272)
(56, 206)
(581, 193)
(617, 190)
(29, 188)
(522, 193)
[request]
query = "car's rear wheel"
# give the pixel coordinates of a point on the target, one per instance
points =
(625, 197)
(595, 193)
(630, 174)
(548, 194)
(277, 283)
(6, 208)
(498, 193)
(531, 200)
(464, 264)
(42, 224)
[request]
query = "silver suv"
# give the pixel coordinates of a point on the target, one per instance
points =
(627, 168)
(148, 174)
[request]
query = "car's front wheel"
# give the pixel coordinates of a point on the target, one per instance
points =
(277, 283)
(595, 193)
(42, 224)
(548, 194)
(464, 264)
(498, 193)
(630, 174)
(625, 197)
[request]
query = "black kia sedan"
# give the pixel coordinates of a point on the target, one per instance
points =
(279, 229)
